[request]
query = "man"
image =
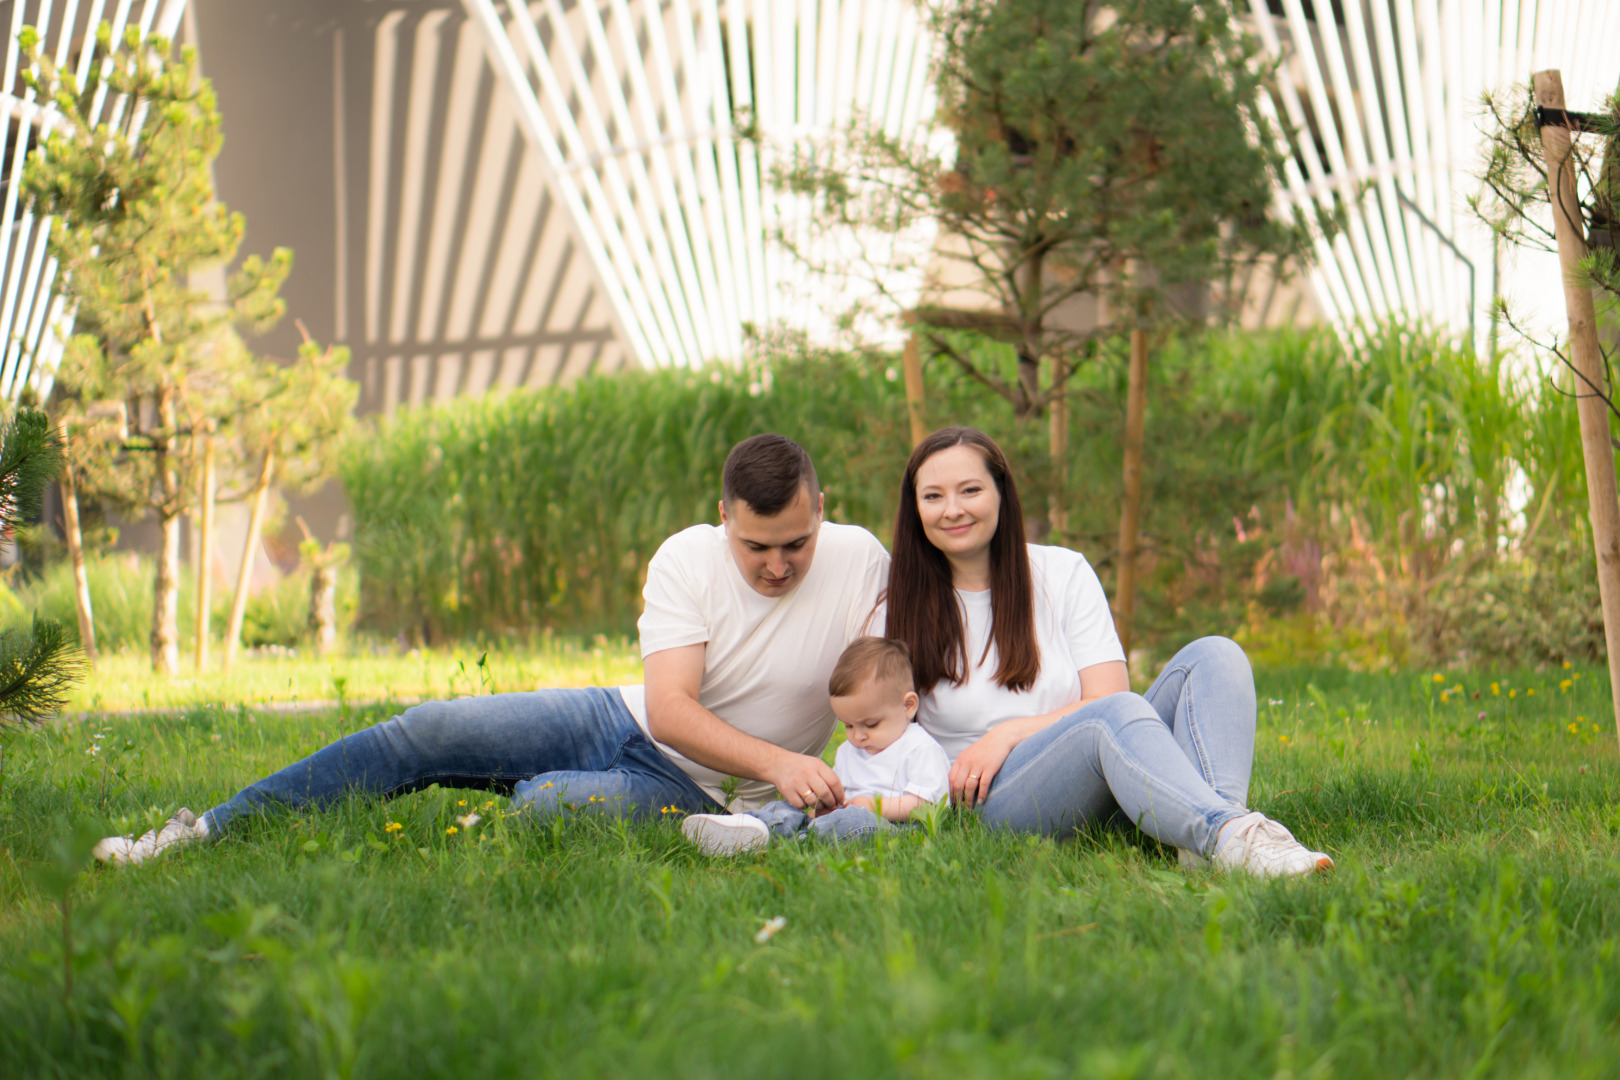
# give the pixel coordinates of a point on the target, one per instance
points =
(742, 626)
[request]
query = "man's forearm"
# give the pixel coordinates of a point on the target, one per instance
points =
(703, 737)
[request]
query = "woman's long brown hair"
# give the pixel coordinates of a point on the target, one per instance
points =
(923, 608)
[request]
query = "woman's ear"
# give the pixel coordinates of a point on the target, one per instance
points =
(911, 701)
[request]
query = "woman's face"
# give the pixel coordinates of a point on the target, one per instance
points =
(958, 502)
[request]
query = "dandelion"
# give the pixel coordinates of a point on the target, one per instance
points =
(1513, 694)
(1496, 689)
(1439, 677)
(1573, 728)
(467, 821)
(1567, 665)
(393, 827)
(1531, 692)
(451, 831)
(769, 930)
(1565, 685)
(490, 805)
(1445, 696)
(461, 802)
(1285, 740)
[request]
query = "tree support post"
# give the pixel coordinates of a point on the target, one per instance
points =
(75, 543)
(911, 364)
(1130, 515)
(261, 492)
(1587, 360)
(205, 553)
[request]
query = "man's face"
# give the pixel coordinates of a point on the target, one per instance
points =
(773, 553)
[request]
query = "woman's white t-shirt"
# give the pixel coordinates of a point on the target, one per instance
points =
(1073, 628)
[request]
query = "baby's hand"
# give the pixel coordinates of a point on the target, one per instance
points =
(865, 802)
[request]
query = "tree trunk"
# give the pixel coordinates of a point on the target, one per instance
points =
(205, 554)
(323, 607)
(1057, 507)
(261, 492)
(911, 362)
(1587, 359)
(166, 600)
(75, 542)
(1130, 514)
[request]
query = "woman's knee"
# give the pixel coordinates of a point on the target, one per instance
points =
(1219, 650)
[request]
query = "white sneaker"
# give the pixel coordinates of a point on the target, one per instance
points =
(725, 834)
(1257, 845)
(184, 828)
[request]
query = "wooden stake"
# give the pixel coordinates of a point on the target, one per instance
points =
(1057, 509)
(75, 542)
(911, 362)
(1130, 515)
(205, 554)
(1598, 449)
(261, 492)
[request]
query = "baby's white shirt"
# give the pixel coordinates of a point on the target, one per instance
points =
(914, 764)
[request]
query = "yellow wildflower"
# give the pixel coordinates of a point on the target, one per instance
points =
(1439, 677)
(1565, 685)
(1513, 693)
(1531, 692)
(1496, 688)
(451, 831)
(1573, 728)
(393, 826)
(462, 802)
(1567, 665)
(1445, 696)
(1283, 739)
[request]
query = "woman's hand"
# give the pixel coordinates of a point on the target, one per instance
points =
(975, 767)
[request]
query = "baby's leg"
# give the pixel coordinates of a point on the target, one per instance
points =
(783, 819)
(847, 824)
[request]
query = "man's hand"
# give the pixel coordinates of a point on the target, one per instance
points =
(975, 767)
(807, 782)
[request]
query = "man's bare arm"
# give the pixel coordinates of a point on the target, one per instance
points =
(676, 718)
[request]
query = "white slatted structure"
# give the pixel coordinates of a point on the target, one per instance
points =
(635, 107)
(1386, 94)
(33, 322)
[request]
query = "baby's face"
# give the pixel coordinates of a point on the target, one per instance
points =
(876, 714)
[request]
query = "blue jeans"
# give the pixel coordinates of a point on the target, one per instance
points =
(1175, 761)
(548, 747)
(844, 824)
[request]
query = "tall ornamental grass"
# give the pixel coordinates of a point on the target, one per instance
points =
(1366, 491)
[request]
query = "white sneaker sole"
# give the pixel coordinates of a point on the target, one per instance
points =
(728, 835)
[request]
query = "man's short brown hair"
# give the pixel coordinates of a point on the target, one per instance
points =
(766, 472)
(870, 658)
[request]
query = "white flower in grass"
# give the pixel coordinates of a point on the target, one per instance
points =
(467, 821)
(769, 930)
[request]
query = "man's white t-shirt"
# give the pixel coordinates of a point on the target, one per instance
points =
(1073, 628)
(914, 764)
(769, 658)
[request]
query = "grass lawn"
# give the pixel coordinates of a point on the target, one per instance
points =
(1470, 929)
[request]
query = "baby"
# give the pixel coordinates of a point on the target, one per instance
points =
(889, 766)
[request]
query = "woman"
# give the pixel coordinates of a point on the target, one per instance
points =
(1024, 683)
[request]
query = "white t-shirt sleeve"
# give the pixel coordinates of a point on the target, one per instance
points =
(1087, 623)
(928, 771)
(674, 615)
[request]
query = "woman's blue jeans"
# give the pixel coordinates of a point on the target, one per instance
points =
(550, 748)
(1175, 761)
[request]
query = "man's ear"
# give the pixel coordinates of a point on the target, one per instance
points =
(821, 504)
(722, 511)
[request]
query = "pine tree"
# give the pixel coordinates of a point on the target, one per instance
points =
(136, 214)
(38, 664)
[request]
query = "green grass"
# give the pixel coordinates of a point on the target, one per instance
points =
(1470, 929)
